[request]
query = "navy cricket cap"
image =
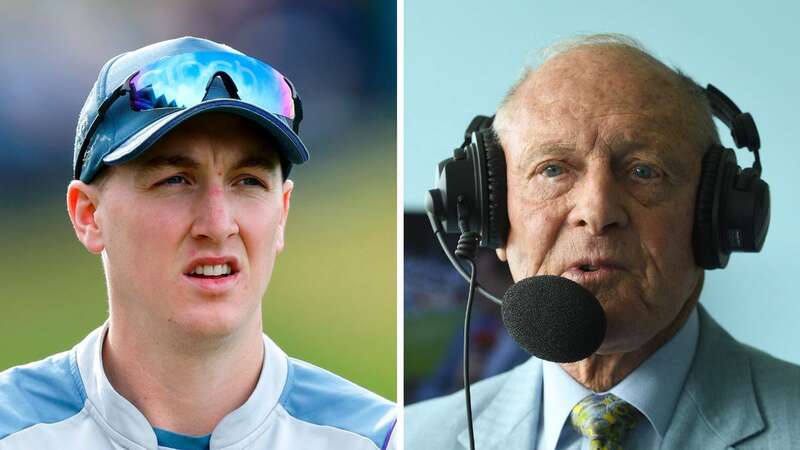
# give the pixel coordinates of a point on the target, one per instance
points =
(121, 133)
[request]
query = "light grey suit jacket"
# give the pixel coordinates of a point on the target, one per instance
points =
(734, 397)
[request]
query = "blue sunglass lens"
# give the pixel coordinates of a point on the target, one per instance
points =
(180, 81)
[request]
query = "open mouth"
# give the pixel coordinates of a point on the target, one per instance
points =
(212, 271)
(587, 268)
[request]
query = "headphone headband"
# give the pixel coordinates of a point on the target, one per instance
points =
(743, 128)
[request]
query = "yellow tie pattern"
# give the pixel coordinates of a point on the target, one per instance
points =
(604, 420)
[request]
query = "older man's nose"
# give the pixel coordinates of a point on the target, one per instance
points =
(598, 204)
(214, 218)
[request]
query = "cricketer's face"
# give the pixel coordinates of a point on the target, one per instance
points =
(603, 168)
(190, 230)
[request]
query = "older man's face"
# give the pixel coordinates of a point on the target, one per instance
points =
(192, 227)
(603, 167)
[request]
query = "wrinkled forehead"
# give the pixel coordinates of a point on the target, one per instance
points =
(600, 93)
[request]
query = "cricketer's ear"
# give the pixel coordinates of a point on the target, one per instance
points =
(286, 199)
(82, 202)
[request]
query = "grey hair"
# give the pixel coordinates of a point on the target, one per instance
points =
(589, 40)
(616, 40)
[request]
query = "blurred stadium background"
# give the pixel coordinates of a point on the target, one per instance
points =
(332, 298)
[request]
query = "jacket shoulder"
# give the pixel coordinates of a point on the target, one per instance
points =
(772, 373)
(46, 391)
(436, 423)
(317, 396)
(777, 386)
(747, 396)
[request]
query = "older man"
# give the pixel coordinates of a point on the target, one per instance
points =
(604, 146)
(181, 162)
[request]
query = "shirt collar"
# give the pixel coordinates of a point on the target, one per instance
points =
(113, 411)
(653, 388)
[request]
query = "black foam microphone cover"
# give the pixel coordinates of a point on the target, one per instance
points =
(554, 318)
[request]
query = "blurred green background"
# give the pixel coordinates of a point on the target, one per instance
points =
(332, 298)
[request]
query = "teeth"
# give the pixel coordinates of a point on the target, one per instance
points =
(212, 270)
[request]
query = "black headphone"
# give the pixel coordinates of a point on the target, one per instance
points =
(731, 212)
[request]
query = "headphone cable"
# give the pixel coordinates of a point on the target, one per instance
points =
(467, 317)
(466, 249)
(439, 233)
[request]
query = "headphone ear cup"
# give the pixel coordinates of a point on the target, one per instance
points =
(761, 213)
(746, 218)
(706, 242)
(497, 209)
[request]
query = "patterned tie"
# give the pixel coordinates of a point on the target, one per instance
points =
(604, 419)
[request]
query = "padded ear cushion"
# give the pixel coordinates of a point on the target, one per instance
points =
(705, 238)
(496, 184)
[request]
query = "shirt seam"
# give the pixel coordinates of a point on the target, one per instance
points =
(289, 385)
(81, 393)
(76, 376)
(388, 435)
(331, 427)
(29, 427)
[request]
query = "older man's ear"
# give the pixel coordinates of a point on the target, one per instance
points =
(501, 254)
(82, 203)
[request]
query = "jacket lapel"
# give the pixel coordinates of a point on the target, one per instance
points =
(511, 418)
(718, 406)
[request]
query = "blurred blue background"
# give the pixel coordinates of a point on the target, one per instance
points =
(462, 56)
(332, 298)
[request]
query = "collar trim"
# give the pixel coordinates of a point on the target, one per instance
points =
(125, 423)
